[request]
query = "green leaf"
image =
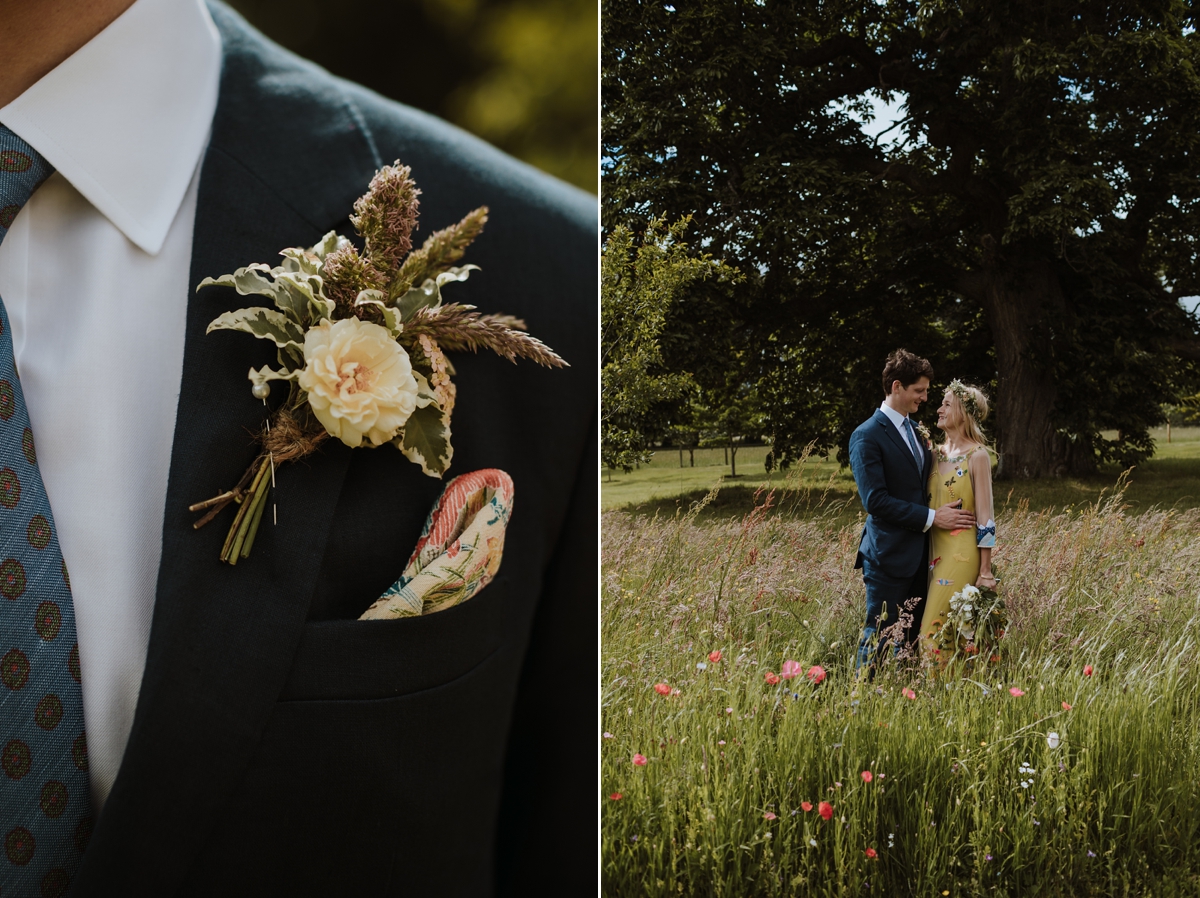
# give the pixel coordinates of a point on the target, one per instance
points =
(427, 296)
(266, 324)
(425, 394)
(391, 315)
(247, 281)
(426, 440)
(455, 274)
(266, 373)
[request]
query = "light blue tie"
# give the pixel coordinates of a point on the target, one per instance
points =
(45, 809)
(912, 440)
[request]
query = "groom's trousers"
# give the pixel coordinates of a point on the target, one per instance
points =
(895, 596)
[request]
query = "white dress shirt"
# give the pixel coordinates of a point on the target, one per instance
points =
(899, 420)
(95, 274)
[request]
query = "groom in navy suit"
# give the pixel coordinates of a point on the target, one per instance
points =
(892, 462)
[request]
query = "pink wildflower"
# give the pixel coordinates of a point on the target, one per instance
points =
(639, 760)
(1015, 692)
(806, 805)
(768, 816)
(908, 693)
(816, 673)
(867, 776)
(791, 670)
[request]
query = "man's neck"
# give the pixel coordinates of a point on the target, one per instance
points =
(39, 34)
(888, 402)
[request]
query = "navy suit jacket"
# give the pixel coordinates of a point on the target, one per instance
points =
(894, 489)
(281, 746)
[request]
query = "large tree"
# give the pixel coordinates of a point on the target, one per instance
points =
(1031, 222)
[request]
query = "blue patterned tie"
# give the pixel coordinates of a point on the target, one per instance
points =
(912, 440)
(45, 809)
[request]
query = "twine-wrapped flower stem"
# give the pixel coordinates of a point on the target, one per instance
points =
(284, 442)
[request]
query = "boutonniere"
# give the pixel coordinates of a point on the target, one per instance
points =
(361, 340)
(924, 432)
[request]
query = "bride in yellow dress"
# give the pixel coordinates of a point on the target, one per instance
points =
(962, 471)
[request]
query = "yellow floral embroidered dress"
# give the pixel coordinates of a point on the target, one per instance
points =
(954, 554)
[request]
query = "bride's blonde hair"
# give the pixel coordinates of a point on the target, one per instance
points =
(973, 403)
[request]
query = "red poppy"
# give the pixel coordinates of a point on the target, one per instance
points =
(908, 693)
(771, 678)
(662, 688)
(806, 805)
(714, 656)
(1066, 707)
(639, 760)
(867, 776)
(825, 809)
(768, 816)
(816, 673)
(870, 852)
(994, 658)
(1087, 671)
(1015, 692)
(616, 796)
(791, 670)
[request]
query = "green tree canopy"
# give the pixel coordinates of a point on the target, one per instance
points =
(1030, 224)
(641, 283)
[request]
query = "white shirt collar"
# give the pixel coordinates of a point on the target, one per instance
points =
(126, 117)
(894, 416)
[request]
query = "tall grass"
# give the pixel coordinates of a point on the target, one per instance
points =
(1111, 807)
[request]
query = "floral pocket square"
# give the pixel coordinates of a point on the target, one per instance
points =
(459, 550)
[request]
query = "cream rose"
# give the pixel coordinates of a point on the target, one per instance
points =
(359, 381)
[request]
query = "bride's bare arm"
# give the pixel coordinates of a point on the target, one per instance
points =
(980, 469)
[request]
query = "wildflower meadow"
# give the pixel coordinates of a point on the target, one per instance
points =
(740, 756)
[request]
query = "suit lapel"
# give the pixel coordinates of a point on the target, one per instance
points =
(223, 637)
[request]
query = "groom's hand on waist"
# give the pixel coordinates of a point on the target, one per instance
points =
(952, 516)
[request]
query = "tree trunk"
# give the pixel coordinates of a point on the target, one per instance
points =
(691, 457)
(732, 460)
(681, 456)
(1024, 304)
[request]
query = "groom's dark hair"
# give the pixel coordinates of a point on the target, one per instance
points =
(905, 367)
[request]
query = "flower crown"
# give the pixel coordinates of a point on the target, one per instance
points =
(966, 397)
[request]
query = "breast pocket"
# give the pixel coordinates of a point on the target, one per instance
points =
(374, 659)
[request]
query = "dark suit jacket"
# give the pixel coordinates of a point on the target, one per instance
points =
(280, 746)
(894, 489)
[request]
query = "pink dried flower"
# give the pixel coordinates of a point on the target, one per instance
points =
(386, 215)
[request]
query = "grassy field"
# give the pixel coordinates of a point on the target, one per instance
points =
(1169, 480)
(1081, 782)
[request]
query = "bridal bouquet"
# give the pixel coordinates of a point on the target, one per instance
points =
(361, 339)
(973, 627)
